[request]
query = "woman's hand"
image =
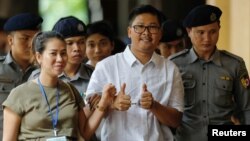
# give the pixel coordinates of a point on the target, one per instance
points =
(107, 97)
(93, 101)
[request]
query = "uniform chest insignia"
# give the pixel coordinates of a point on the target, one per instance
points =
(225, 78)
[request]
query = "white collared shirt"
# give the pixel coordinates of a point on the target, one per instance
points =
(163, 80)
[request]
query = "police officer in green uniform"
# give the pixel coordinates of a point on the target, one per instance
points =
(76, 72)
(216, 82)
(15, 67)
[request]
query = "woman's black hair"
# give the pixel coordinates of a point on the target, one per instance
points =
(41, 38)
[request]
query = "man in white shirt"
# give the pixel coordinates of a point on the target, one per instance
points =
(150, 90)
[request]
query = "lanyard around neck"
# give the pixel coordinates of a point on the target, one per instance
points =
(54, 119)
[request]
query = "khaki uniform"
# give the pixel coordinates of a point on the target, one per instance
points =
(28, 102)
(214, 91)
(11, 76)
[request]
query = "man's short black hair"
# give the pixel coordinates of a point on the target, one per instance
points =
(146, 9)
(100, 27)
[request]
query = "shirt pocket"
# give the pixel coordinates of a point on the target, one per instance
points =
(189, 87)
(223, 93)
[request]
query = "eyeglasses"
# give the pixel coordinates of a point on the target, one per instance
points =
(151, 29)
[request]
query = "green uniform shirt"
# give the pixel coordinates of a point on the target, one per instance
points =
(214, 90)
(11, 76)
(81, 79)
(29, 103)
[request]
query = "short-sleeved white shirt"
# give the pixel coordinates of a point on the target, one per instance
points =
(163, 80)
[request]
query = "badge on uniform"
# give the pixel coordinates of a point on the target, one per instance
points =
(213, 17)
(61, 138)
(245, 81)
(244, 77)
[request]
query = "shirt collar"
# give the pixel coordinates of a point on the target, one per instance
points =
(81, 73)
(155, 59)
(215, 58)
(131, 59)
(129, 56)
(193, 56)
(8, 59)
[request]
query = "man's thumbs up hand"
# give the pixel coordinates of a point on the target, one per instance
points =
(147, 100)
(122, 102)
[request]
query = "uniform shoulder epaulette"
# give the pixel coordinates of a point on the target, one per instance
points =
(231, 55)
(178, 54)
(2, 58)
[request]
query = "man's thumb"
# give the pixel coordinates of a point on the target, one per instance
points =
(123, 86)
(144, 87)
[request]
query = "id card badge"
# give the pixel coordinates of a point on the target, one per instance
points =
(61, 138)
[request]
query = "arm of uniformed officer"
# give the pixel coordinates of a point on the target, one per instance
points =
(242, 94)
(92, 123)
(165, 114)
(11, 125)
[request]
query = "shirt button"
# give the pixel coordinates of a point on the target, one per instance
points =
(204, 68)
(203, 101)
(203, 83)
(205, 116)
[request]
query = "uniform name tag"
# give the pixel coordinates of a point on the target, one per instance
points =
(61, 138)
